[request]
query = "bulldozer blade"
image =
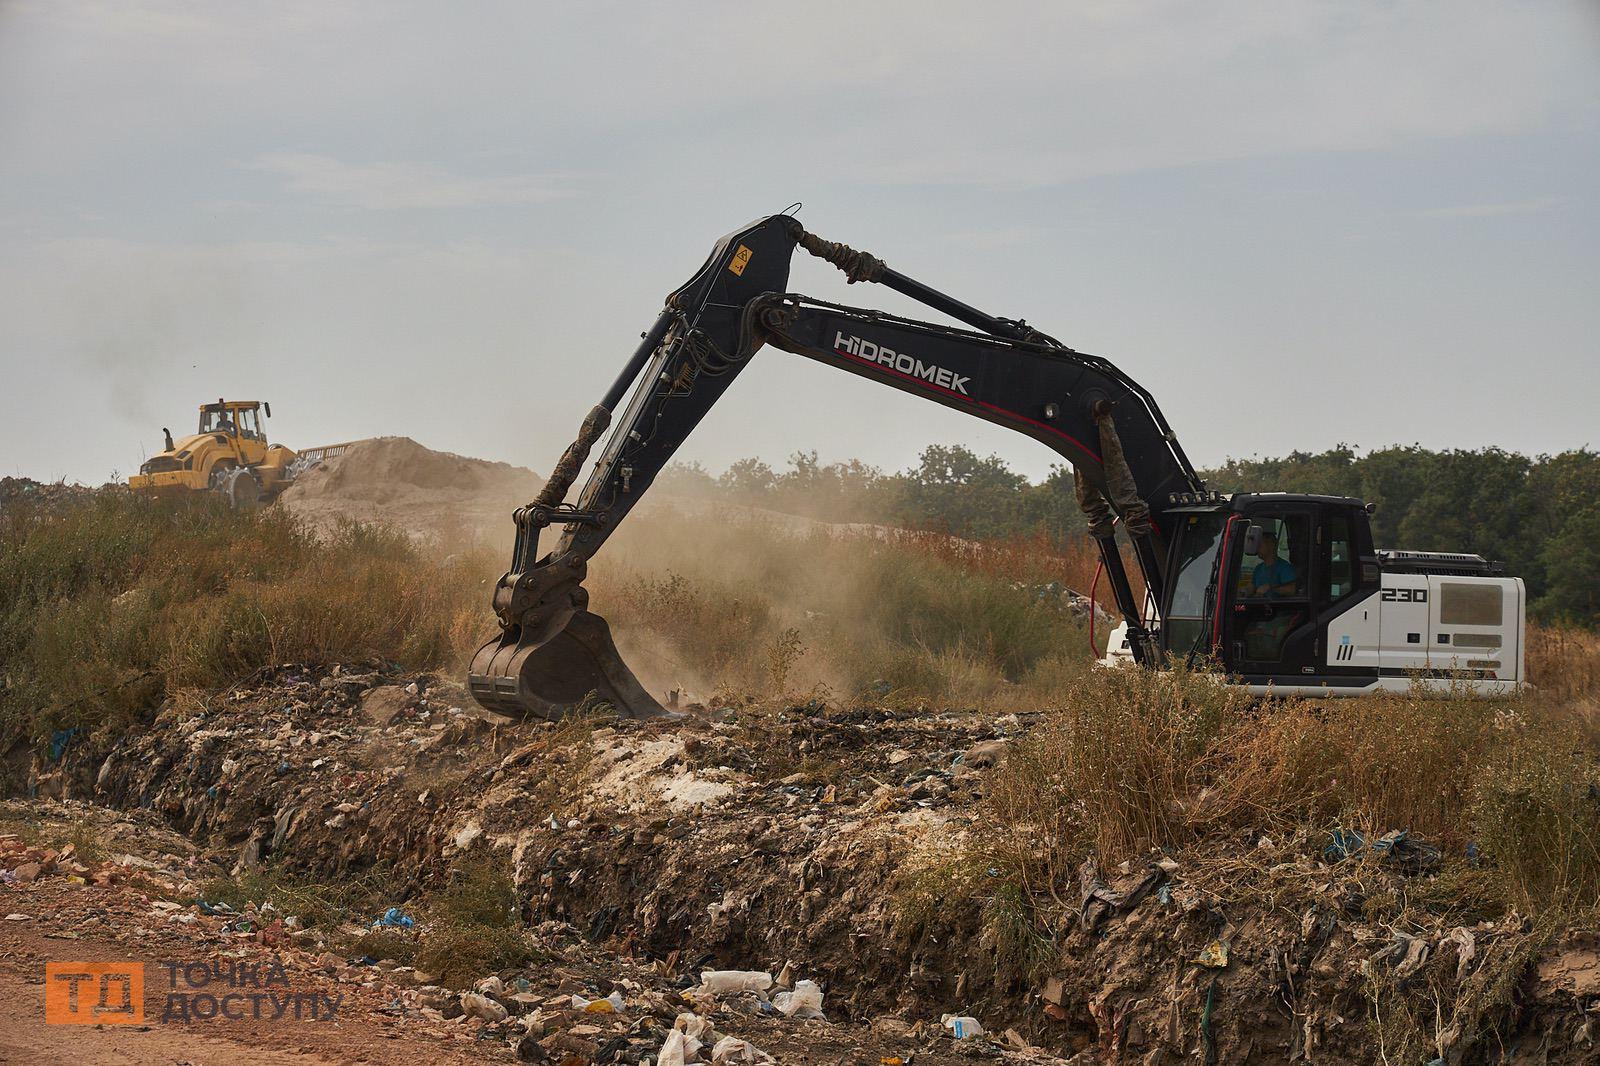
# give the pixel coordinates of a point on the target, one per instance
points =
(548, 679)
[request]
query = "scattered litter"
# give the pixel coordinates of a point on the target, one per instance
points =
(1397, 848)
(59, 741)
(480, 1006)
(1466, 947)
(985, 754)
(682, 1046)
(468, 833)
(962, 1026)
(1099, 900)
(611, 1004)
(722, 982)
(804, 1002)
(730, 1049)
(16, 917)
(1214, 955)
(394, 918)
(678, 1050)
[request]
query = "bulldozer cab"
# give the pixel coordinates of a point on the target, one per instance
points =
(239, 423)
(235, 418)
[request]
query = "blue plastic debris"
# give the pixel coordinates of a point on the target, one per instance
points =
(59, 741)
(212, 908)
(1396, 847)
(394, 918)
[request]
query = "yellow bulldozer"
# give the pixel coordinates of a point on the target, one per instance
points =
(228, 455)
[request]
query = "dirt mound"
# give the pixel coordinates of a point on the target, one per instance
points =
(398, 482)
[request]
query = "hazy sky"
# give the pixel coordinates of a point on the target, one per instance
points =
(1296, 223)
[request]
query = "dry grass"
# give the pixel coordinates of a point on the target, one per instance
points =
(473, 925)
(469, 926)
(110, 603)
(1132, 761)
(1564, 663)
(1507, 789)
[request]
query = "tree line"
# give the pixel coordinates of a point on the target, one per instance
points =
(1540, 515)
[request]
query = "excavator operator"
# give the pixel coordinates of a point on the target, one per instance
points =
(1272, 576)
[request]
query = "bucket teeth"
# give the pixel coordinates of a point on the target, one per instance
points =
(577, 667)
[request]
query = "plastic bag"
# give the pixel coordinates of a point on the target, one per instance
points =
(804, 1002)
(723, 982)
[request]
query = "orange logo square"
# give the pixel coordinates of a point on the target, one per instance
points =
(94, 993)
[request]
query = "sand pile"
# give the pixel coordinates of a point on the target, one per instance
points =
(398, 482)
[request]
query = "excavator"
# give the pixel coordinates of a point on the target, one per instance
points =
(1278, 592)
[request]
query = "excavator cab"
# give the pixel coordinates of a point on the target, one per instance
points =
(1259, 577)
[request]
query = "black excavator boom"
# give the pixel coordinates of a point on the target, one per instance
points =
(553, 654)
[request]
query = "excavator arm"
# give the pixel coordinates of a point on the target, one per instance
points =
(553, 653)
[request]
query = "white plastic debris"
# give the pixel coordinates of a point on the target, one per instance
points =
(467, 834)
(612, 1004)
(678, 1050)
(804, 1002)
(961, 1026)
(723, 982)
(730, 1050)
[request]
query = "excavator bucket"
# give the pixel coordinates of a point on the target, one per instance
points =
(578, 667)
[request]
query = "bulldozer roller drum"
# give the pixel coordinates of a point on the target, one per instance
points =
(577, 666)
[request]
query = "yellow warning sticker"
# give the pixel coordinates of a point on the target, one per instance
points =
(740, 258)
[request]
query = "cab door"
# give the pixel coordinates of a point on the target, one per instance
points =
(249, 440)
(1273, 631)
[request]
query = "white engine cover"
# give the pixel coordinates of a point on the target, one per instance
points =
(1450, 632)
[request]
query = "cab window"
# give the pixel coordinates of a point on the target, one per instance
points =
(1341, 568)
(1277, 571)
(1186, 623)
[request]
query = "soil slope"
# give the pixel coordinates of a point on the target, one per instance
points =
(398, 482)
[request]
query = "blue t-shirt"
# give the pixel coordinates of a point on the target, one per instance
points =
(1279, 572)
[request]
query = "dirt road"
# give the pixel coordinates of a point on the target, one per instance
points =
(60, 911)
(25, 1037)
